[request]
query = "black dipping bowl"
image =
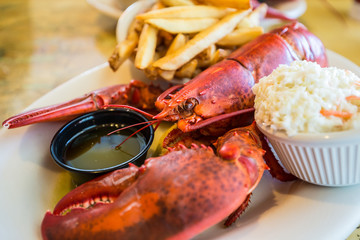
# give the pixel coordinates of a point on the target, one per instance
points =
(96, 120)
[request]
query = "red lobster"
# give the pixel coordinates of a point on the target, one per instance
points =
(217, 93)
(215, 185)
(174, 196)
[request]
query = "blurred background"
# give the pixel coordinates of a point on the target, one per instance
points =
(45, 43)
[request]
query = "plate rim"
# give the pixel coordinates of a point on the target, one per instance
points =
(103, 7)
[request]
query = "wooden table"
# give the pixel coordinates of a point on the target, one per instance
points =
(45, 43)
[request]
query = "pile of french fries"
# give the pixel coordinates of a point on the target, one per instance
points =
(177, 39)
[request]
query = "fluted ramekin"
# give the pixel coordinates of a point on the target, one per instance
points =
(327, 159)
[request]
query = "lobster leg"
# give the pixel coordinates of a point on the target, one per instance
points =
(136, 93)
(236, 214)
(275, 169)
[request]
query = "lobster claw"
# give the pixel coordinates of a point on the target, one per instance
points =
(116, 94)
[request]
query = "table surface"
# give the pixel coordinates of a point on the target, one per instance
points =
(45, 43)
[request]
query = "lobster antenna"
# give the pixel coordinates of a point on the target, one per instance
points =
(128, 107)
(136, 124)
(133, 125)
(157, 125)
(135, 133)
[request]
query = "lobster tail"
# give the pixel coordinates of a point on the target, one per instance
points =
(253, 59)
(307, 46)
(292, 42)
(226, 86)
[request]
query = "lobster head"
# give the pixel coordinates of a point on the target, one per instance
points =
(206, 98)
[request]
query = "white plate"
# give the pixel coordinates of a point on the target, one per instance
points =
(111, 8)
(292, 9)
(31, 183)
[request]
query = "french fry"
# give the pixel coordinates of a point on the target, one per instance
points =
(240, 36)
(254, 17)
(188, 25)
(179, 41)
(166, 74)
(204, 58)
(200, 42)
(125, 48)
(165, 38)
(151, 73)
(129, 44)
(146, 47)
(114, 60)
(187, 70)
(172, 3)
(196, 11)
(238, 4)
(219, 55)
(122, 52)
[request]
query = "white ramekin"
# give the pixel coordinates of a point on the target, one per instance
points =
(328, 159)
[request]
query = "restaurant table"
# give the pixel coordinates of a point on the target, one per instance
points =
(45, 43)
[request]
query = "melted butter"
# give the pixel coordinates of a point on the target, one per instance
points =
(95, 149)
